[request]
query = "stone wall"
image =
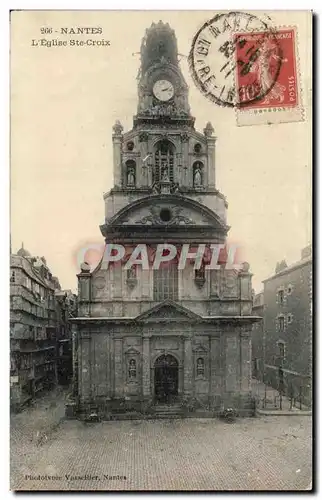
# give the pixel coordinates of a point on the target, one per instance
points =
(105, 353)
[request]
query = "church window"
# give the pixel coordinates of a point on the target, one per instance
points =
(130, 173)
(132, 369)
(200, 367)
(130, 146)
(165, 283)
(197, 148)
(197, 174)
(164, 159)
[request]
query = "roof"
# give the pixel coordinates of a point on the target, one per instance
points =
(292, 267)
(22, 252)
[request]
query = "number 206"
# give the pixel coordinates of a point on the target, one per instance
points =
(46, 31)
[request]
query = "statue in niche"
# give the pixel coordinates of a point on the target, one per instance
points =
(130, 177)
(165, 175)
(197, 178)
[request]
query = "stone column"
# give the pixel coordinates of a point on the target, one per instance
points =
(142, 169)
(245, 355)
(146, 367)
(188, 367)
(185, 160)
(118, 367)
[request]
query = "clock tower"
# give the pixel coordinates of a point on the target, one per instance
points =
(149, 335)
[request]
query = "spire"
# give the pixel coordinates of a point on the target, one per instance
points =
(22, 252)
(208, 130)
(159, 45)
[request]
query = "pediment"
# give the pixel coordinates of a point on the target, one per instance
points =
(200, 348)
(168, 311)
(132, 351)
(167, 210)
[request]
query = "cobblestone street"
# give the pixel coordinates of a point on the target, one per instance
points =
(194, 454)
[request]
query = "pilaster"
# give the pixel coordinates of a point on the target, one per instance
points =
(211, 144)
(146, 367)
(232, 363)
(245, 364)
(215, 366)
(118, 367)
(188, 366)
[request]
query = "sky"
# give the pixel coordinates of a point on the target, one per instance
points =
(64, 102)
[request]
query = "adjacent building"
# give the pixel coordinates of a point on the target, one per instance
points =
(66, 309)
(148, 336)
(258, 337)
(287, 328)
(38, 328)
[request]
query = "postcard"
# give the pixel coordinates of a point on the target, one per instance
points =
(161, 250)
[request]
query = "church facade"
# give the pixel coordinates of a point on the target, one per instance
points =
(146, 336)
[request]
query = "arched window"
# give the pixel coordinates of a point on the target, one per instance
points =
(197, 170)
(130, 173)
(200, 367)
(163, 160)
(132, 369)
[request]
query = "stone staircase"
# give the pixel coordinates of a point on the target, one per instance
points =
(173, 411)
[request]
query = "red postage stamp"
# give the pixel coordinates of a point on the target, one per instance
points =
(267, 77)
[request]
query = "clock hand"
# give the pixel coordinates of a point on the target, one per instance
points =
(163, 90)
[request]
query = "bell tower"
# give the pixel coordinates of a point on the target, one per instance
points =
(162, 153)
(162, 90)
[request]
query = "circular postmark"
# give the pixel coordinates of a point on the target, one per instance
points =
(235, 59)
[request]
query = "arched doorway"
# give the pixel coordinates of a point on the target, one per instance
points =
(166, 378)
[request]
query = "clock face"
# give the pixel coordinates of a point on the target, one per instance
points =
(163, 90)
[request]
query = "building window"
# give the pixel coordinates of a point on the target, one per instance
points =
(200, 367)
(280, 296)
(281, 323)
(164, 159)
(197, 148)
(13, 277)
(132, 369)
(165, 283)
(289, 318)
(281, 350)
(130, 146)
(289, 289)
